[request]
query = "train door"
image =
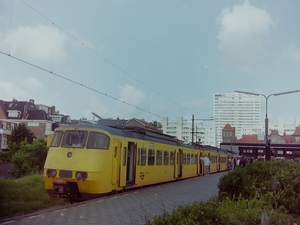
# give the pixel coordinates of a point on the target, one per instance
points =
(179, 162)
(198, 163)
(212, 163)
(201, 164)
(175, 164)
(116, 152)
(123, 162)
(127, 164)
(218, 161)
(130, 163)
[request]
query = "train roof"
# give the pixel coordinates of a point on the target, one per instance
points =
(138, 133)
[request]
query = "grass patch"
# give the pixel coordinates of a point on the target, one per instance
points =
(24, 195)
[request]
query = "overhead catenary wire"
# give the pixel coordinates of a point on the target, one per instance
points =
(77, 83)
(106, 60)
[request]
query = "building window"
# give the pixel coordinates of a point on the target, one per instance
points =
(297, 139)
(14, 113)
(4, 142)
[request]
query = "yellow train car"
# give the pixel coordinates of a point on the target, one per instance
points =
(87, 161)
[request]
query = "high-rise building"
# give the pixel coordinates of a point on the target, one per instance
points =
(239, 110)
(182, 129)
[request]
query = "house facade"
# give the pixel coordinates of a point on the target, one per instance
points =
(36, 119)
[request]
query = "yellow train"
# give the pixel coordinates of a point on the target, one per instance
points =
(87, 161)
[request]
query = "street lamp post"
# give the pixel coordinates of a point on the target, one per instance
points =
(267, 143)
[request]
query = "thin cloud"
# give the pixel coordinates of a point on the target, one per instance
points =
(197, 105)
(132, 96)
(95, 105)
(292, 52)
(244, 30)
(40, 43)
(20, 89)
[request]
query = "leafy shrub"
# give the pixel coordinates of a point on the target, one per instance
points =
(213, 212)
(19, 134)
(30, 158)
(277, 182)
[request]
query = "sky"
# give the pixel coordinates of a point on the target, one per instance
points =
(149, 59)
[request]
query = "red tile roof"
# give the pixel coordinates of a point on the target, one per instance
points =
(297, 131)
(249, 139)
(228, 127)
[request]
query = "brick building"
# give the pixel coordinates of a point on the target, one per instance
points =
(37, 120)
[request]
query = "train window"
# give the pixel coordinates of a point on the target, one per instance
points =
(116, 151)
(151, 157)
(184, 158)
(158, 157)
(172, 158)
(166, 157)
(143, 157)
(57, 138)
(188, 159)
(138, 157)
(124, 156)
(98, 140)
(74, 138)
(192, 159)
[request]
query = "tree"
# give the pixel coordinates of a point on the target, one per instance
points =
(20, 133)
(157, 125)
(30, 158)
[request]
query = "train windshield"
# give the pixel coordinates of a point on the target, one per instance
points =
(57, 138)
(78, 139)
(98, 141)
(74, 138)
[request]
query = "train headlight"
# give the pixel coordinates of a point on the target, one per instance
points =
(51, 173)
(81, 175)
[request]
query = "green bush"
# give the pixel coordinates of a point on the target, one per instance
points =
(29, 158)
(260, 193)
(213, 212)
(277, 182)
